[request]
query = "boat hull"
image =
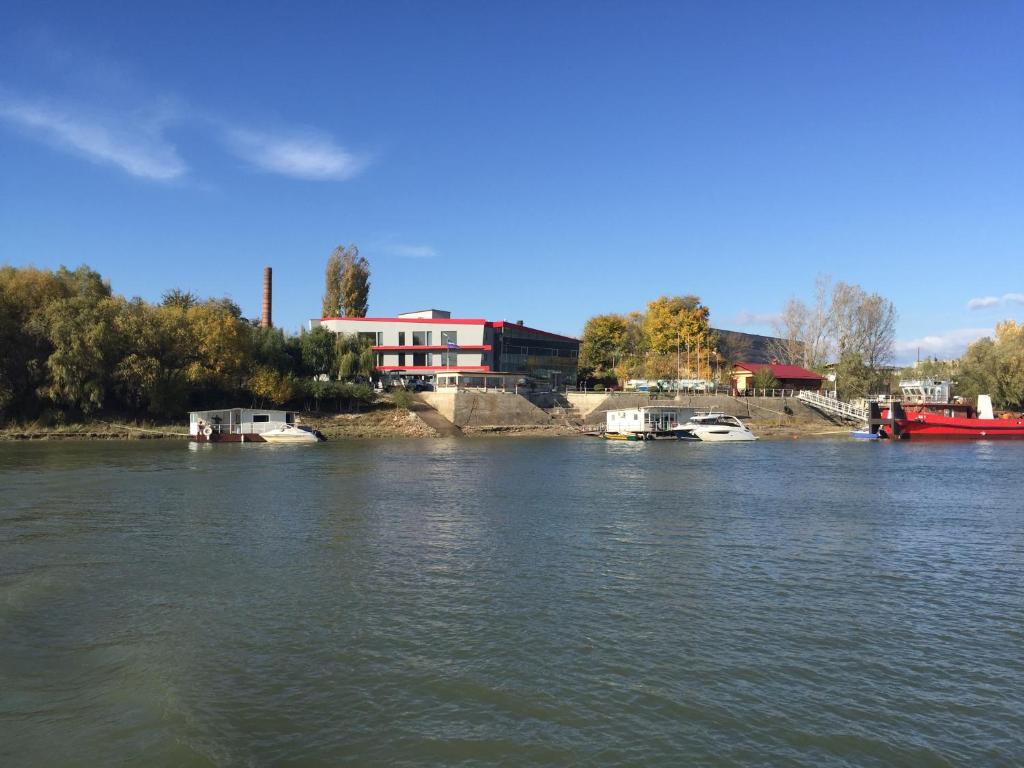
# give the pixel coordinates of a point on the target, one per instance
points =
(925, 426)
(711, 435)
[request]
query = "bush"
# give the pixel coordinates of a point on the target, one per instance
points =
(599, 388)
(403, 398)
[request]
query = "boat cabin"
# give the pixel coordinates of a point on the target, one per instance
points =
(231, 424)
(650, 419)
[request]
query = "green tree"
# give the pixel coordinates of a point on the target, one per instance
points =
(367, 362)
(271, 348)
(86, 347)
(178, 298)
(995, 367)
(856, 379)
(319, 352)
(763, 378)
(348, 365)
(604, 343)
(1010, 366)
(148, 378)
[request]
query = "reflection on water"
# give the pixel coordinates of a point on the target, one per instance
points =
(519, 602)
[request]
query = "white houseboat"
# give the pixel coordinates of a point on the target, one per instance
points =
(247, 425)
(645, 423)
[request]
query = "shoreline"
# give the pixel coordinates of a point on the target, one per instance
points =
(371, 425)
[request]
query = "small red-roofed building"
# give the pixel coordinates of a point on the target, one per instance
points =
(788, 376)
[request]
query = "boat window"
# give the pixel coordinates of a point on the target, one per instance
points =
(260, 417)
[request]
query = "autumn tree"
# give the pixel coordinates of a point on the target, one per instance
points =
(675, 326)
(24, 344)
(355, 283)
(332, 284)
(82, 335)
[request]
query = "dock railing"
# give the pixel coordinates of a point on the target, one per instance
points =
(833, 407)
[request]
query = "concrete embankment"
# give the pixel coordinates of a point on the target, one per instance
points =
(486, 409)
(779, 411)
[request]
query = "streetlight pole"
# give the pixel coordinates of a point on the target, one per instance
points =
(678, 376)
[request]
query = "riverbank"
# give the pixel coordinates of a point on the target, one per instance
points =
(377, 423)
(380, 422)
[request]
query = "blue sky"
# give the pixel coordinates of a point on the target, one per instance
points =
(535, 161)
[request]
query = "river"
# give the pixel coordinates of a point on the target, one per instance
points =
(512, 602)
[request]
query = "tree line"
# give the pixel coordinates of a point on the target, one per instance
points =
(990, 366)
(72, 348)
(671, 339)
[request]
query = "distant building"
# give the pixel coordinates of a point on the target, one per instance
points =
(430, 341)
(788, 376)
(750, 347)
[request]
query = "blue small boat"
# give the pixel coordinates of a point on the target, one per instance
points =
(863, 434)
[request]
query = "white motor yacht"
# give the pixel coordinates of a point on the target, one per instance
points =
(714, 427)
(289, 433)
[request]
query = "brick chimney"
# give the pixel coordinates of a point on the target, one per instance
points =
(268, 277)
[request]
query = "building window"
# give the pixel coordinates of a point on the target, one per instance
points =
(420, 358)
(450, 359)
(401, 338)
(374, 337)
(258, 417)
(401, 358)
(422, 338)
(449, 337)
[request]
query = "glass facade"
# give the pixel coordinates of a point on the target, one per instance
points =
(539, 355)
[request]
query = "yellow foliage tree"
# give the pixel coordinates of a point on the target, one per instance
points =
(673, 325)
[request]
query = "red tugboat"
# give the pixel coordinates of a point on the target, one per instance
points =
(928, 411)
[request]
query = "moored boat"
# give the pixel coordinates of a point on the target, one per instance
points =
(714, 427)
(927, 411)
(248, 425)
(291, 434)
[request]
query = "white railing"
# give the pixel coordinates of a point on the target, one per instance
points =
(832, 406)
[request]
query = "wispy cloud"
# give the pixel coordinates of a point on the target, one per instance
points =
(756, 318)
(410, 251)
(135, 142)
(984, 302)
(305, 155)
(944, 345)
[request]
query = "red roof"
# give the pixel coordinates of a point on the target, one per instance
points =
(781, 372)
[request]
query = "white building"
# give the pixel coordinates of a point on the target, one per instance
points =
(430, 341)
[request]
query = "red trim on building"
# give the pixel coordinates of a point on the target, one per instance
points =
(436, 348)
(452, 368)
(434, 320)
(503, 323)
